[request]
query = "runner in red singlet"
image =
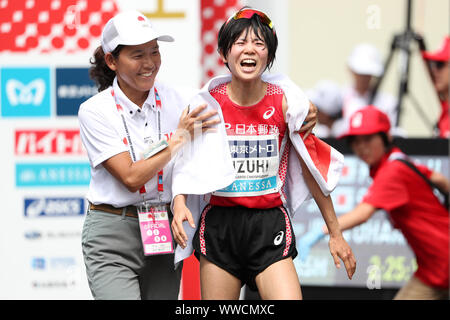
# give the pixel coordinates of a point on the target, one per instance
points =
(245, 235)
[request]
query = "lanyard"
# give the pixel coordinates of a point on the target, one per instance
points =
(127, 140)
(158, 112)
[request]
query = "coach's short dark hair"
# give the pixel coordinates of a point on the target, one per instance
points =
(231, 30)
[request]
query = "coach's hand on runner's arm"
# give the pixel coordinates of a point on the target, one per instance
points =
(192, 120)
(181, 213)
(310, 121)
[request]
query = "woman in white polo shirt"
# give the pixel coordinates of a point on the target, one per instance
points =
(131, 130)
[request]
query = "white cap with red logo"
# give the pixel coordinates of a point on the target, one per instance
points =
(129, 28)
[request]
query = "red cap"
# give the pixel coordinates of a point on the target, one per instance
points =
(368, 120)
(442, 54)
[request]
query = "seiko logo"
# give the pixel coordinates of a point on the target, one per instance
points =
(32, 93)
(269, 113)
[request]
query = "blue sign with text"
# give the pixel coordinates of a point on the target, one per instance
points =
(73, 87)
(52, 174)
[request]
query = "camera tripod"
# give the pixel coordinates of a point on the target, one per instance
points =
(402, 43)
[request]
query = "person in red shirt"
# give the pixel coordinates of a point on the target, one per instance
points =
(439, 63)
(406, 197)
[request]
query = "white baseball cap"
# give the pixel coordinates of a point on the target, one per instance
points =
(366, 59)
(129, 28)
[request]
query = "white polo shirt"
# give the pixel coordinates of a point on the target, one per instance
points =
(103, 132)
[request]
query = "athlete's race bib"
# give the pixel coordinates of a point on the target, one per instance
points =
(256, 162)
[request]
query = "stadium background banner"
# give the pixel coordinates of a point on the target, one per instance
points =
(45, 47)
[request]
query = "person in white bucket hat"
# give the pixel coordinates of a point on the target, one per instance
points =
(365, 63)
(365, 59)
(327, 96)
(132, 129)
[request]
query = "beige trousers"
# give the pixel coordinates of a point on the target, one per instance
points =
(415, 289)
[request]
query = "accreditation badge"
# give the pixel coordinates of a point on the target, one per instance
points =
(153, 147)
(155, 228)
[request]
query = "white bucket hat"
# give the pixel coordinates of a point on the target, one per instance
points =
(327, 97)
(129, 28)
(366, 59)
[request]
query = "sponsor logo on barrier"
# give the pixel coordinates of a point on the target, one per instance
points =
(38, 263)
(48, 142)
(53, 263)
(53, 207)
(54, 235)
(73, 87)
(25, 92)
(52, 174)
(33, 235)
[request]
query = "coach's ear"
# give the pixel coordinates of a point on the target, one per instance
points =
(110, 61)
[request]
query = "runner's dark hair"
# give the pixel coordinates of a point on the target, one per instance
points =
(100, 72)
(231, 30)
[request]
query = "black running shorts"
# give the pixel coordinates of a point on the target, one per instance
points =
(244, 241)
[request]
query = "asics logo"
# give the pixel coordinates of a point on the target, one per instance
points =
(269, 113)
(278, 238)
(32, 93)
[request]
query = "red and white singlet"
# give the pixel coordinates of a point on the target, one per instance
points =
(259, 149)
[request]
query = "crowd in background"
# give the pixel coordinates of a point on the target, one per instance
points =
(337, 103)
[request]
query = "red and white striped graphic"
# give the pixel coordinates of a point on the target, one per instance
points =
(288, 232)
(213, 14)
(46, 26)
(202, 229)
